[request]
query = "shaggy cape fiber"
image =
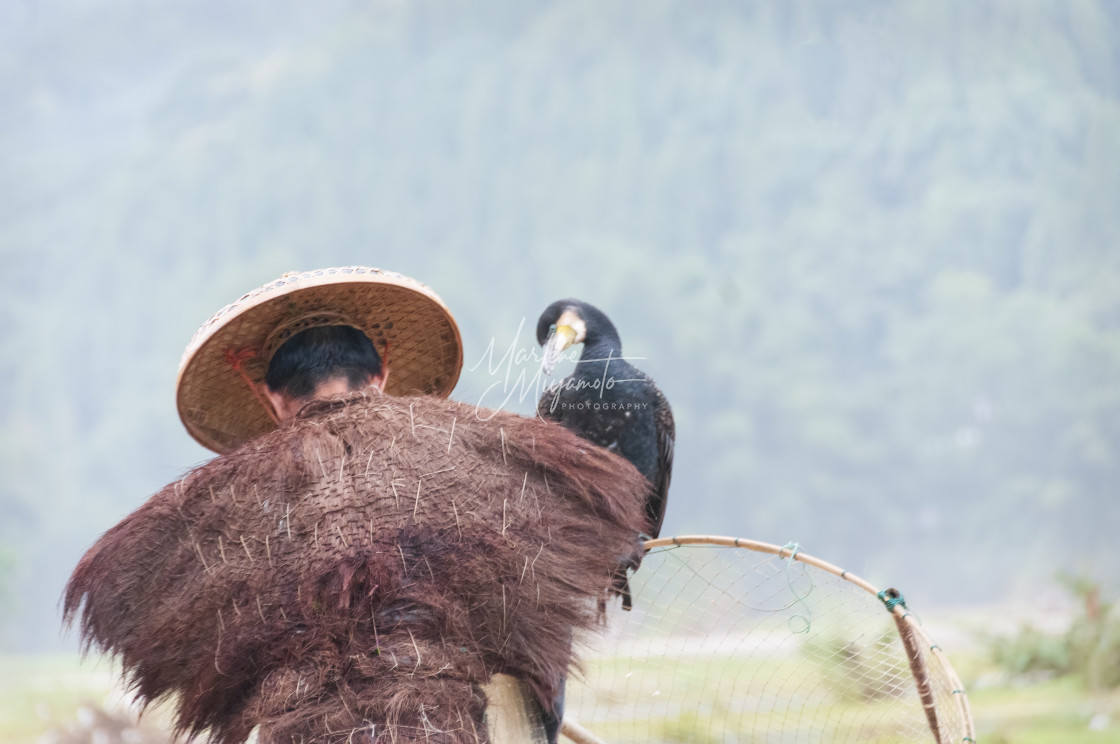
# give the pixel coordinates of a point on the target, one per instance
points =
(357, 574)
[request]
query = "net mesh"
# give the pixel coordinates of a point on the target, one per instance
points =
(728, 644)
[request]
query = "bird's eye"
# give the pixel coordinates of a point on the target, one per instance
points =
(552, 329)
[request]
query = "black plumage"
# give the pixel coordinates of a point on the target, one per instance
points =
(607, 400)
(612, 403)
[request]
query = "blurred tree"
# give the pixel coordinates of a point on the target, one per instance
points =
(867, 249)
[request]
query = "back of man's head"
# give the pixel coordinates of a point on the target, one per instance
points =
(316, 355)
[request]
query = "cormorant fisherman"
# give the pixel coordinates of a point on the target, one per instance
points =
(364, 556)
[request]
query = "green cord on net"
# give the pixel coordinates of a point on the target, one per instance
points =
(892, 598)
(807, 618)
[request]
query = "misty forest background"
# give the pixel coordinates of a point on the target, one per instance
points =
(870, 250)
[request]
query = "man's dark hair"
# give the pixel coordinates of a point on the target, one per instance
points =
(318, 354)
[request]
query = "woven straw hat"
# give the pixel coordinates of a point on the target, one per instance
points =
(408, 323)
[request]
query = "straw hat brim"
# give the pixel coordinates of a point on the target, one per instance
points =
(408, 323)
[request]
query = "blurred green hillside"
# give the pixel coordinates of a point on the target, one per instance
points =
(870, 250)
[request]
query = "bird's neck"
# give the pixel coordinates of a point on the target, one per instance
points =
(598, 351)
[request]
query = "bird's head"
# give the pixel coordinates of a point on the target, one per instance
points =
(568, 322)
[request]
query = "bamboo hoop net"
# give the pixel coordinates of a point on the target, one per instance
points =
(902, 674)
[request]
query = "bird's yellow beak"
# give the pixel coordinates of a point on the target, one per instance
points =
(563, 337)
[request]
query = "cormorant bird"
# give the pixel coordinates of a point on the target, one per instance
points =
(607, 400)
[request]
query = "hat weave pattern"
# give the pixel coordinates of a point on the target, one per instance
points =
(408, 323)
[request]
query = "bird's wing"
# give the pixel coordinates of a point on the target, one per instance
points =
(666, 437)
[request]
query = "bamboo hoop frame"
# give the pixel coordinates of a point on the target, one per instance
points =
(577, 733)
(911, 634)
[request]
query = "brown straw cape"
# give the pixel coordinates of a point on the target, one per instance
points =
(409, 324)
(356, 576)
